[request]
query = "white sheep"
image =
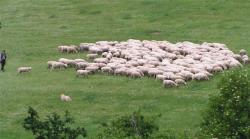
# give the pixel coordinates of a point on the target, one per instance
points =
(160, 77)
(180, 81)
(169, 83)
(49, 63)
(81, 65)
(243, 52)
(200, 76)
(58, 65)
(92, 56)
(101, 60)
(72, 49)
(245, 59)
(82, 73)
(92, 69)
(135, 74)
(107, 70)
(65, 98)
(24, 69)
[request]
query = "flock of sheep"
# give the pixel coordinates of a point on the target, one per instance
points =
(173, 64)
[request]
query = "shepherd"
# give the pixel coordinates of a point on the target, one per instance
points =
(3, 58)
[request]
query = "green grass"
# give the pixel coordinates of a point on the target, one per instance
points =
(31, 30)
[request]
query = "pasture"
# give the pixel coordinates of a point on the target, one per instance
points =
(30, 32)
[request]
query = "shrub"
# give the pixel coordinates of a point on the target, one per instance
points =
(54, 127)
(134, 126)
(228, 113)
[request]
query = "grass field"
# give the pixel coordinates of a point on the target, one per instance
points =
(31, 30)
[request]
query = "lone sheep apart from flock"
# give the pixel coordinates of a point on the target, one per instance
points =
(24, 69)
(65, 98)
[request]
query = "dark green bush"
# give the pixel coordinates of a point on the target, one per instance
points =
(54, 127)
(227, 116)
(134, 126)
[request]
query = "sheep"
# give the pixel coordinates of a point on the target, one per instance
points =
(92, 69)
(101, 60)
(81, 65)
(24, 69)
(135, 74)
(169, 83)
(95, 50)
(72, 49)
(49, 63)
(85, 46)
(245, 59)
(92, 56)
(69, 62)
(200, 76)
(186, 74)
(160, 77)
(100, 65)
(58, 65)
(243, 52)
(62, 48)
(79, 60)
(121, 71)
(180, 81)
(154, 72)
(65, 98)
(107, 70)
(217, 69)
(82, 73)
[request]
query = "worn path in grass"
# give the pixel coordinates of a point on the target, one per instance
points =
(31, 30)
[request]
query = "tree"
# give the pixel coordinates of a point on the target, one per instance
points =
(228, 113)
(54, 127)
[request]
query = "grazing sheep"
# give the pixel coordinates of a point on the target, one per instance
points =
(101, 60)
(62, 49)
(24, 69)
(95, 50)
(65, 98)
(107, 70)
(245, 59)
(135, 74)
(160, 77)
(79, 60)
(92, 69)
(58, 65)
(180, 81)
(82, 73)
(69, 62)
(81, 65)
(85, 46)
(92, 56)
(72, 49)
(200, 76)
(243, 52)
(169, 83)
(49, 63)
(217, 69)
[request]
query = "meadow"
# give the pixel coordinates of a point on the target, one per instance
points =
(31, 30)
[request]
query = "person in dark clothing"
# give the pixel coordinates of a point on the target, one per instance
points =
(3, 58)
